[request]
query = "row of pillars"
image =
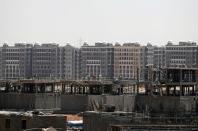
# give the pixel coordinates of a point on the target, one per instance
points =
(72, 88)
(184, 90)
(35, 88)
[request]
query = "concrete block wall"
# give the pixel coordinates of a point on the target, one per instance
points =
(28, 101)
(157, 104)
(80, 103)
(121, 102)
(48, 101)
(17, 101)
(189, 104)
(95, 102)
(166, 104)
(44, 121)
(101, 122)
(74, 103)
(56, 121)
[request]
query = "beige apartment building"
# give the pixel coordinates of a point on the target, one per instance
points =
(127, 61)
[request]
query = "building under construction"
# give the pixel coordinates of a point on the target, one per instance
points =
(67, 96)
(163, 100)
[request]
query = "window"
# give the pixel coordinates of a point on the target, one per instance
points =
(7, 123)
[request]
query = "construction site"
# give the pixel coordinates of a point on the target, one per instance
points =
(166, 101)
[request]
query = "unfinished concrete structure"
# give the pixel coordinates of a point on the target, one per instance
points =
(125, 127)
(79, 103)
(175, 93)
(172, 81)
(21, 121)
(29, 95)
(76, 96)
(67, 96)
(168, 104)
(131, 121)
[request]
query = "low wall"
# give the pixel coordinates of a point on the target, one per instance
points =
(48, 101)
(45, 121)
(67, 103)
(189, 104)
(80, 103)
(17, 101)
(74, 103)
(121, 102)
(102, 121)
(29, 101)
(166, 104)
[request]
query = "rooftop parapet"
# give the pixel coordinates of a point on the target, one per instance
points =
(182, 43)
(131, 44)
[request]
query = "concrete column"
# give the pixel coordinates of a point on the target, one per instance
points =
(86, 90)
(121, 89)
(193, 90)
(188, 90)
(183, 90)
(63, 88)
(53, 86)
(135, 86)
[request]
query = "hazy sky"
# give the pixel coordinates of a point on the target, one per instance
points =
(76, 21)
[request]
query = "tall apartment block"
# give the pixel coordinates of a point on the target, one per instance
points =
(70, 62)
(154, 60)
(183, 55)
(149, 52)
(16, 61)
(142, 63)
(44, 61)
(0, 62)
(127, 61)
(97, 61)
(159, 59)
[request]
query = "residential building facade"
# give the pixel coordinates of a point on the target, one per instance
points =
(159, 59)
(183, 55)
(93, 62)
(16, 61)
(149, 52)
(142, 63)
(0, 62)
(44, 61)
(127, 61)
(97, 61)
(71, 63)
